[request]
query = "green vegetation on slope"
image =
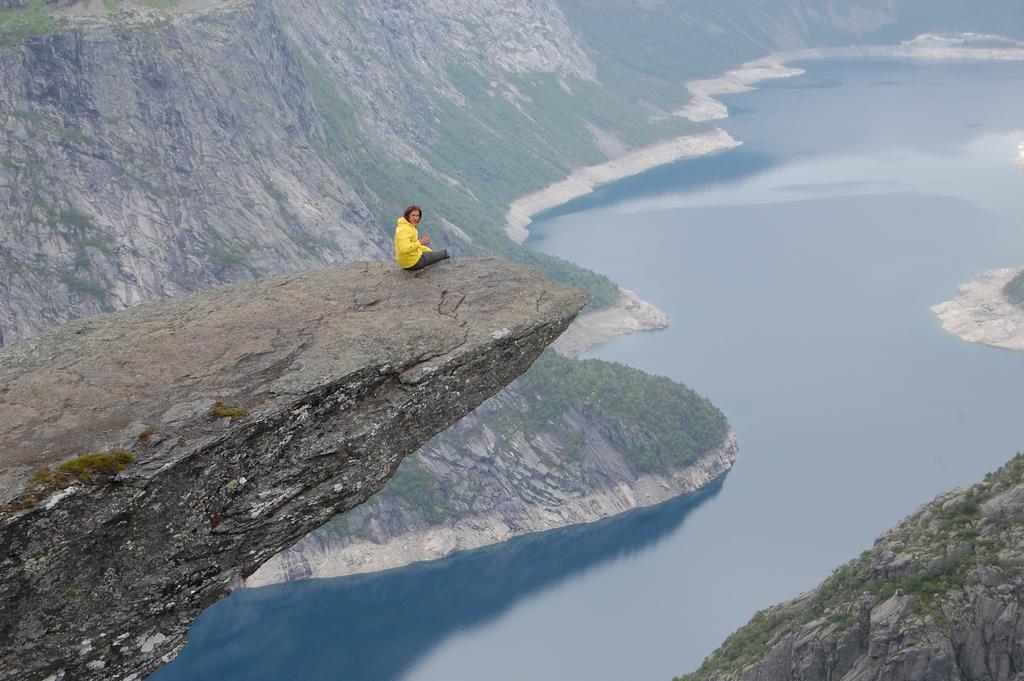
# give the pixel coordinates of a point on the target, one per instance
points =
(33, 19)
(930, 577)
(680, 423)
(1014, 289)
(658, 423)
(415, 487)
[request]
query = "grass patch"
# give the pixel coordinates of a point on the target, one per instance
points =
(80, 469)
(83, 467)
(76, 220)
(222, 258)
(274, 192)
(223, 411)
(418, 489)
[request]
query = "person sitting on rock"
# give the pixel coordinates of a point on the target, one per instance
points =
(411, 252)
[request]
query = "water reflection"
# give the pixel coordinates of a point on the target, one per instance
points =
(349, 628)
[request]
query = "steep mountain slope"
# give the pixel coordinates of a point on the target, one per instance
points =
(146, 160)
(938, 597)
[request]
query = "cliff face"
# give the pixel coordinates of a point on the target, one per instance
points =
(148, 158)
(241, 418)
(938, 597)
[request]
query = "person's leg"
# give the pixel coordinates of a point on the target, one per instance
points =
(429, 258)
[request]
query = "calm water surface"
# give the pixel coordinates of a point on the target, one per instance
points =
(798, 272)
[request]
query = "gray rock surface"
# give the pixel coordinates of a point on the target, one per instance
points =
(342, 371)
(938, 598)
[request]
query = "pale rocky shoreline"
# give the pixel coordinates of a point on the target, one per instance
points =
(323, 560)
(582, 181)
(629, 314)
(704, 107)
(983, 314)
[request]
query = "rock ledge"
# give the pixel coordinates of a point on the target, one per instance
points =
(342, 372)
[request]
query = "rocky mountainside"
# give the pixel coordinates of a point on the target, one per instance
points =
(148, 152)
(152, 148)
(546, 452)
(140, 161)
(938, 597)
(177, 446)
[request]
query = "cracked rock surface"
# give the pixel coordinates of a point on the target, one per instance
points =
(342, 372)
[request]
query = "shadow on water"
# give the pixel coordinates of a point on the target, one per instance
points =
(374, 627)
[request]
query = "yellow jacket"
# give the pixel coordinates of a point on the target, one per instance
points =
(408, 248)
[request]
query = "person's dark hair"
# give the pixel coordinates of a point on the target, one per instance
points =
(410, 209)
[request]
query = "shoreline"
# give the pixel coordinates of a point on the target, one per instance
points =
(704, 107)
(628, 314)
(983, 314)
(583, 181)
(365, 556)
(597, 327)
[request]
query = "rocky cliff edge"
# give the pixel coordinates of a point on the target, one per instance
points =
(152, 459)
(937, 598)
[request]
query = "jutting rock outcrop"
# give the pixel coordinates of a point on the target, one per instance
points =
(570, 456)
(938, 597)
(154, 458)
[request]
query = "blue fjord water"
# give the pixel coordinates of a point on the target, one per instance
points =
(798, 271)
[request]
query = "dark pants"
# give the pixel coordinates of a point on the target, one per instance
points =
(429, 258)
